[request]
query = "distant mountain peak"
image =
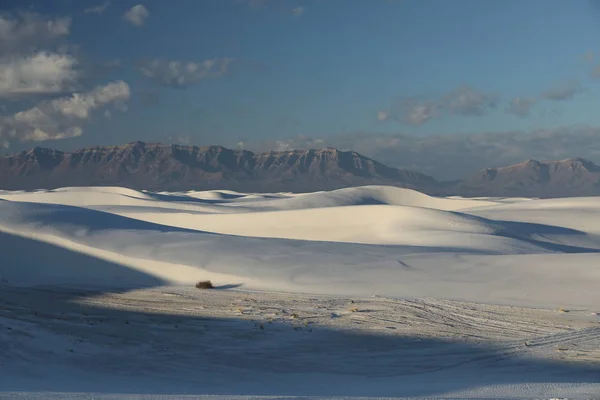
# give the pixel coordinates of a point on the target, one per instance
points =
(580, 162)
(567, 177)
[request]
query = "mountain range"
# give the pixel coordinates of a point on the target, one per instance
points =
(158, 167)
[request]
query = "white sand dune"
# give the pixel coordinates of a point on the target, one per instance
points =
(367, 195)
(356, 243)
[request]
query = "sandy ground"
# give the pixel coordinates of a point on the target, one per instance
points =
(376, 292)
(181, 340)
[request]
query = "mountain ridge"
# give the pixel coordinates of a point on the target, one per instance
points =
(172, 167)
(157, 166)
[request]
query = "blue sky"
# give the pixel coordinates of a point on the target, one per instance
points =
(314, 68)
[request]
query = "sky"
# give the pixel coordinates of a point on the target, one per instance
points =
(409, 81)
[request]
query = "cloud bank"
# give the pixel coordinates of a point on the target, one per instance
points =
(464, 100)
(42, 80)
(61, 118)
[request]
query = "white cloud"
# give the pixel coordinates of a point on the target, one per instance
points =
(116, 91)
(418, 114)
(25, 69)
(39, 73)
(181, 74)
(29, 30)
(281, 145)
(411, 111)
(563, 92)
(99, 9)
(466, 101)
(137, 15)
(61, 118)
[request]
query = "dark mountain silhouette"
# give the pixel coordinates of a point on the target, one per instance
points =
(155, 166)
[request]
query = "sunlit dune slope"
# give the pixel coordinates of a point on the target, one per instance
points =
(357, 241)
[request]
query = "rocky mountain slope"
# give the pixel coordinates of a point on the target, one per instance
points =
(532, 178)
(155, 166)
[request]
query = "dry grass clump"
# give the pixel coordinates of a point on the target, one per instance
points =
(204, 285)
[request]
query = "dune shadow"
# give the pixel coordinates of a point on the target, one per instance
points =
(94, 220)
(369, 201)
(562, 248)
(533, 232)
(530, 228)
(53, 339)
(27, 261)
(223, 198)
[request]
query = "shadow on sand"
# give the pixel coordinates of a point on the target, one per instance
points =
(50, 342)
(225, 287)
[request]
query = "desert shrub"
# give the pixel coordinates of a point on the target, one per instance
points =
(204, 285)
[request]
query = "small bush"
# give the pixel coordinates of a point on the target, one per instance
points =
(204, 285)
